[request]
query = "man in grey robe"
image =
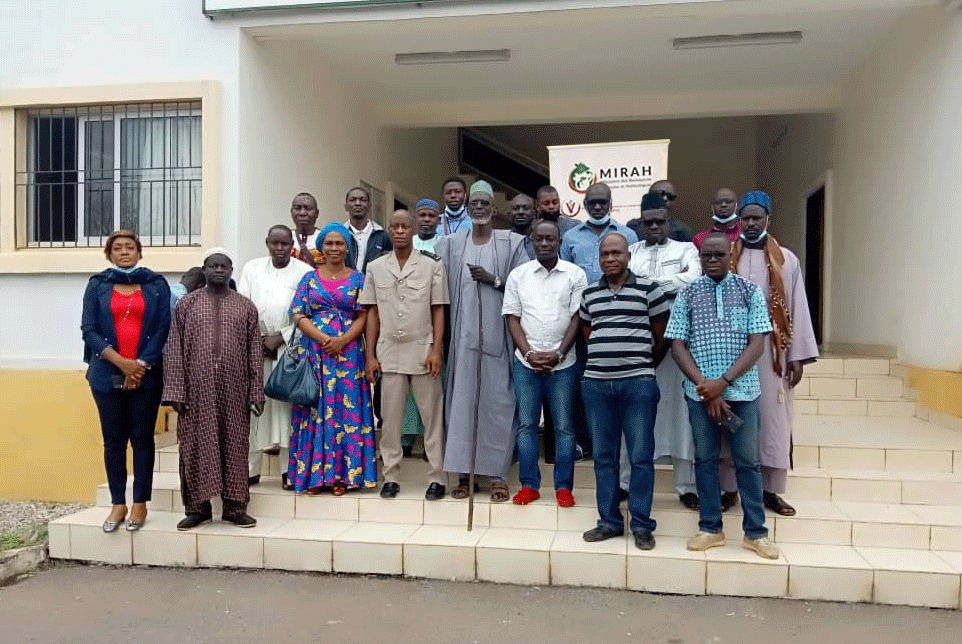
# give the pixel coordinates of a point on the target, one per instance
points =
(477, 261)
(757, 256)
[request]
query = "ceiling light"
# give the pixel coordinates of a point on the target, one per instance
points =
(446, 57)
(739, 40)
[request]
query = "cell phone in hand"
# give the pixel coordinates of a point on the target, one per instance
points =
(732, 422)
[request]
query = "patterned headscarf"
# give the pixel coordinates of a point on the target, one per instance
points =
(757, 198)
(340, 229)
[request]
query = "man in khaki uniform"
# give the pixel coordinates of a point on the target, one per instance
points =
(406, 291)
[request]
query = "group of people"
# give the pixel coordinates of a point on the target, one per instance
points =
(633, 343)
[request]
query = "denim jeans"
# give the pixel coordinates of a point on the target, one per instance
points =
(623, 407)
(128, 416)
(558, 388)
(748, 470)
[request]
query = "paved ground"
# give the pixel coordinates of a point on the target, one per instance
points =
(73, 603)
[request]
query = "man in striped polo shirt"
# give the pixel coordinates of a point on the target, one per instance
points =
(623, 318)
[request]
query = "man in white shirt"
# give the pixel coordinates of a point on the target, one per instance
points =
(541, 302)
(673, 265)
(370, 239)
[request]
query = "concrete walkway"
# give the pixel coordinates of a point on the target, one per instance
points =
(73, 603)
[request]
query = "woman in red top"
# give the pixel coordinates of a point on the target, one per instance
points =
(126, 317)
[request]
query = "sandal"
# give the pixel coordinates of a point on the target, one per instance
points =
(285, 484)
(339, 488)
(461, 491)
(499, 492)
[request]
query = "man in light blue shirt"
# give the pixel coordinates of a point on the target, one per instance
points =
(580, 244)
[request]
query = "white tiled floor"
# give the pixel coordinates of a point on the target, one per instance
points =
(669, 568)
(733, 570)
(912, 578)
(515, 556)
(159, 544)
(829, 573)
(575, 562)
(372, 548)
(303, 545)
(442, 552)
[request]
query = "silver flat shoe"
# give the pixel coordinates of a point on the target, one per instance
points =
(133, 526)
(111, 526)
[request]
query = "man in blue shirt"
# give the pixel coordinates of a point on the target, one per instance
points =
(580, 244)
(718, 326)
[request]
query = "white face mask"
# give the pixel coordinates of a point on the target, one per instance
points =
(762, 236)
(725, 222)
(599, 222)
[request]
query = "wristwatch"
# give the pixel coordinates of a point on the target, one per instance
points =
(497, 282)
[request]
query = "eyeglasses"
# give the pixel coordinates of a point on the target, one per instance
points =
(591, 203)
(648, 223)
(669, 196)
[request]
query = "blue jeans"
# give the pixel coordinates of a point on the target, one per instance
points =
(748, 470)
(558, 388)
(616, 407)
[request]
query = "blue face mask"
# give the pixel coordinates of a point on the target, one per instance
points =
(725, 222)
(455, 213)
(599, 222)
(757, 239)
(125, 271)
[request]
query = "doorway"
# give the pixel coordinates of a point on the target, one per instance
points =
(815, 256)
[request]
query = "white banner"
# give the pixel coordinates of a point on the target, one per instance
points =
(628, 168)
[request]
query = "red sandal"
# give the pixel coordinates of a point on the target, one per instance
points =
(526, 495)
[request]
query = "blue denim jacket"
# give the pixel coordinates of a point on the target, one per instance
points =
(97, 326)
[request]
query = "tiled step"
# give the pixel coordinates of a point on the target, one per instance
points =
(523, 556)
(935, 527)
(847, 387)
(884, 408)
(854, 366)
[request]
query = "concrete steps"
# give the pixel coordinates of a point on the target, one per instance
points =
(878, 494)
(523, 556)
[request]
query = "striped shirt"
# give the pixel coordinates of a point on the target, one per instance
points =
(621, 343)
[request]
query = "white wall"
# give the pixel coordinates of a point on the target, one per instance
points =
(48, 43)
(704, 155)
(793, 152)
(897, 276)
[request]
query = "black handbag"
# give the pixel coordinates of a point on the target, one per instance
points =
(293, 379)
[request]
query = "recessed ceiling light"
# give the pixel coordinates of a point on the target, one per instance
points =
(449, 57)
(738, 40)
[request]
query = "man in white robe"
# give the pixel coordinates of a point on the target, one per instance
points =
(792, 345)
(673, 265)
(270, 283)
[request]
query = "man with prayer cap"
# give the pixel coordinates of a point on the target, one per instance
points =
(455, 216)
(758, 257)
(426, 211)
(214, 378)
(677, 230)
(477, 261)
(724, 217)
(672, 265)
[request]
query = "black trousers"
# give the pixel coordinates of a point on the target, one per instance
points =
(128, 417)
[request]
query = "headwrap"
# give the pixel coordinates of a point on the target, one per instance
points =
(218, 250)
(427, 203)
(653, 201)
(757, 198)
(483, 187)
(340, 229)
(774, 260)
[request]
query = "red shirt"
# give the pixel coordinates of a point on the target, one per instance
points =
(733, 231)
(128, 312)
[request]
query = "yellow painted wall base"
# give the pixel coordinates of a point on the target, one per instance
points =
(51, 448)
(939, 391)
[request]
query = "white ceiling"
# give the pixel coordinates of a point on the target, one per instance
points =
(606, 60)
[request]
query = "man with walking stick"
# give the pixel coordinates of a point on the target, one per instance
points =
(479, 400)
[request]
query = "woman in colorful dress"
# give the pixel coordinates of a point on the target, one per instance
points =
(332, 443)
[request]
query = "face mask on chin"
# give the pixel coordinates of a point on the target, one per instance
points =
(725, 222)
(454, 213)
(757, 239)
(599, 222)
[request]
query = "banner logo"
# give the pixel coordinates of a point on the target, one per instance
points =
(581, 177)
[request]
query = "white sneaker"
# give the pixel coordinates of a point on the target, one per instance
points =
(706, 540)
(762, 547)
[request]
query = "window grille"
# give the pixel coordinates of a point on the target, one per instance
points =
(96, 168)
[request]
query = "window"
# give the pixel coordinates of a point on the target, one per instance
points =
(93, 169)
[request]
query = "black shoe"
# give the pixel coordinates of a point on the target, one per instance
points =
(435, 491)
(728, 500)
(777, 504)
(273, 451)
(241, 520)
(407, 451)
(600, 534)
(390, 490)
(549, 459)
(253, 480)
(622, 495)
(644, 540)
(582, 454)
(689, 500)
(191, 521)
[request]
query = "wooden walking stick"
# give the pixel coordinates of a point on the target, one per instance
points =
(477, 415)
